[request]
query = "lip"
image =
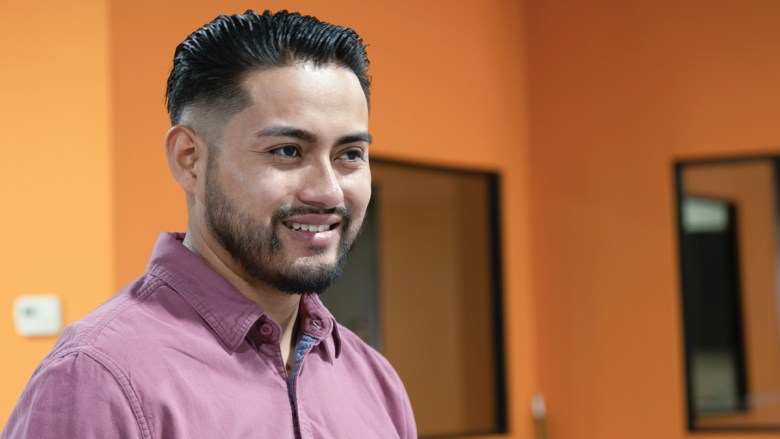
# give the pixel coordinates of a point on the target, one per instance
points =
(313, 219)
(313, 239)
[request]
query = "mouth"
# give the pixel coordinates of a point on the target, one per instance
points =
(310, 227)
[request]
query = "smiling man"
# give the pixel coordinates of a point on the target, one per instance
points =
(225, 336)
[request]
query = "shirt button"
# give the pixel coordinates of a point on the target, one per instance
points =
(316, 324)
(266, 329)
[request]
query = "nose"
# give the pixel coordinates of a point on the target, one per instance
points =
(320, 186)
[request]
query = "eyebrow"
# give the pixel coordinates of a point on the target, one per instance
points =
(308, 136)
(352, 138)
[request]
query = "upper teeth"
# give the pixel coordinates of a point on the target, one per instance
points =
(309, 227)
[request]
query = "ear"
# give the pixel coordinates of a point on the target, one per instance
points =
(184, 152)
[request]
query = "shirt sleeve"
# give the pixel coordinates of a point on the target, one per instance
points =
(410, 426)
(404, 419)
(79, 395)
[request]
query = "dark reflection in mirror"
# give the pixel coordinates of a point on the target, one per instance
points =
(727, 211)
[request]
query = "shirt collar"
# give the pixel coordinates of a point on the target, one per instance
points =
(219, 303)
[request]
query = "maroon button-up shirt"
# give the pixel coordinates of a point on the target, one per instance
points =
(180, 353)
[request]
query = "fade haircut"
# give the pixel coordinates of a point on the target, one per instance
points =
(210, 65)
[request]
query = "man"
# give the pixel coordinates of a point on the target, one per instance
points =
(224, 336)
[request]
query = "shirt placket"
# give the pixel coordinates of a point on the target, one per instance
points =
(302, 347)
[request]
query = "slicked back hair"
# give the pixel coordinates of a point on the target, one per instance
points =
(210, 64)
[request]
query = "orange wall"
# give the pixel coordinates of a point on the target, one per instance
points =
(55, 174)
(617, 91)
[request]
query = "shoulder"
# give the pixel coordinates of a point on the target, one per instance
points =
(77, 393)
(354, 349)
(93, 365)
(374, 369)
(113, 326)
(368, 363)
(108, 343)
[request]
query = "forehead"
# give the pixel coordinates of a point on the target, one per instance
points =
(302, 95)
(325, 100)
(304, 83)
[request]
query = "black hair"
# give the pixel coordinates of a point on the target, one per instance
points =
(210, 64)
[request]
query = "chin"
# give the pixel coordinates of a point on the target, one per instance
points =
(316, 260)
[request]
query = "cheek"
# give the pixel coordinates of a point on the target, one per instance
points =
(259, 194)
(249, 178)
(357, 195)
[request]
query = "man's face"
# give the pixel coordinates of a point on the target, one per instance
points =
(288, 185)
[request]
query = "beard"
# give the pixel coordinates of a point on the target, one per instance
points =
(257, 248)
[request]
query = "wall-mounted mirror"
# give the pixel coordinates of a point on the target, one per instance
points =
(728, 236)
(423, 286)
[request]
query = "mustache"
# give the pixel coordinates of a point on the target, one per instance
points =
(285, 212)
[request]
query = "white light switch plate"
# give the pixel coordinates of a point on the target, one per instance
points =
(38, 315)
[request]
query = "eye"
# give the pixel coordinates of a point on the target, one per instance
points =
(353, 155)
(287, 151)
